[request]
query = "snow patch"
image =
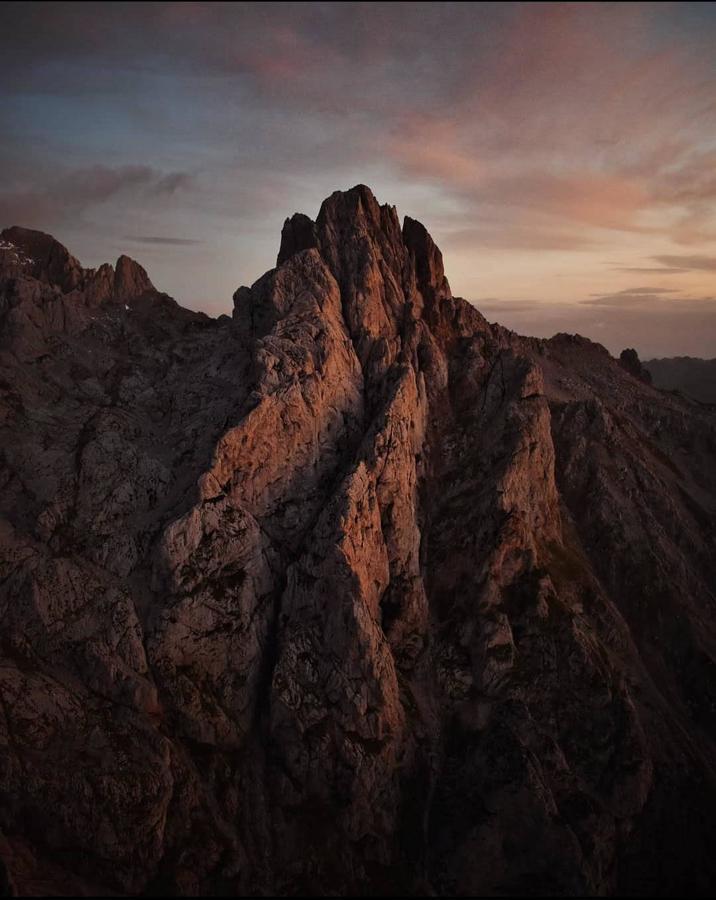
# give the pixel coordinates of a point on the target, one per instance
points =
(17, 256)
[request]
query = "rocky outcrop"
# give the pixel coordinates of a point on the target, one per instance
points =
(43, 257)
(630, 362)
(350, 593)
(298, 233)
(130, 280)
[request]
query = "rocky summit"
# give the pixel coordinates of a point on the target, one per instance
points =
(352, 592)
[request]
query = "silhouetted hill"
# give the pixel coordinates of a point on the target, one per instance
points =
(695, 377)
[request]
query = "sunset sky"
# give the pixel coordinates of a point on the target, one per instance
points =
(562, 156)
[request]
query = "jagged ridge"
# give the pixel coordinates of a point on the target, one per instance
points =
(354, 592)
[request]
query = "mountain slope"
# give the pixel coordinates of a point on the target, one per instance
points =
(694, 377)
(353, 592)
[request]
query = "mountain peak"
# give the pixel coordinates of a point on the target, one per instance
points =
(359, 196)
(36, 253)
(357, 208)
(353, 227)
(298, 233)
(130, 279)
(630, 362)
(47, 259)
(385, 272)
(339, 214)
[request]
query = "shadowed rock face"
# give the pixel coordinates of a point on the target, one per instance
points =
(630, 362)
(694, 377)
(351, 592)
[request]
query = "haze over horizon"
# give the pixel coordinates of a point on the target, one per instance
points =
(562, 156)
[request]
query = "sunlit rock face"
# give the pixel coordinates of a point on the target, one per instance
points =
(352, 592)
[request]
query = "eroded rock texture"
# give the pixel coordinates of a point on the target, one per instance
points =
(350, 593)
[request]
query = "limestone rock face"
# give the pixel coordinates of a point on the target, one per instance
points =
(352, 592)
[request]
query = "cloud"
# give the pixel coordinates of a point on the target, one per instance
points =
(173, 182)
(58, 199)
(651, 270)
(688, 263)
(645, 297)
(645, 290)
(497, 232)
(628, 297)
(591, 199)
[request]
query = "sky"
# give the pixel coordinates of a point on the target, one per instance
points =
(563, 156)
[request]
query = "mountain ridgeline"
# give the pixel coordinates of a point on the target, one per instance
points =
(694, 377)
(352, 592)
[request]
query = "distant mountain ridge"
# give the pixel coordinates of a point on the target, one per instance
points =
(350, 593)
(690, 375)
